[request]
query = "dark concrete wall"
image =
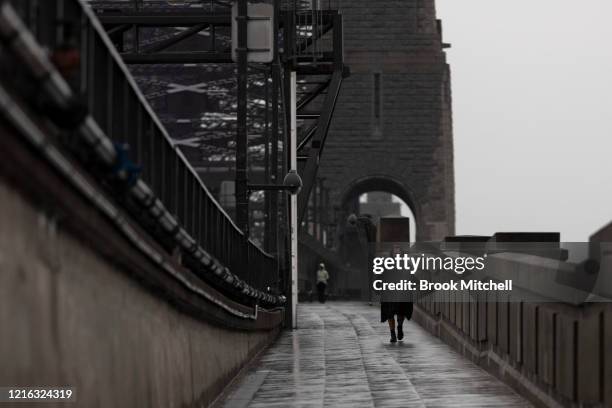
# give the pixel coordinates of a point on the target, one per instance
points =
(71, 317)
(413, 146)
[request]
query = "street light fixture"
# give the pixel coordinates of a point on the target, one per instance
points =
(292, 184)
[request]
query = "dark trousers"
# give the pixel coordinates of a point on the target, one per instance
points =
(321, 291)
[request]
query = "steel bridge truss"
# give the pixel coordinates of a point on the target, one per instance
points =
(57, 61)
(309, 42)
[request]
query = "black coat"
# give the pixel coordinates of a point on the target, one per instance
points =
(388, 310)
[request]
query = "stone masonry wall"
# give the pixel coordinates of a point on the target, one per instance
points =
(412, 141)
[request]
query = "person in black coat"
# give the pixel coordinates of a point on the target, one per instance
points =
(389, 311)
(394, 307)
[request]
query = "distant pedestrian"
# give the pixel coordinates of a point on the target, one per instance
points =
(322, 278)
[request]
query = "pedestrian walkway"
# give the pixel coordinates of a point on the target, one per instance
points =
(341, 357)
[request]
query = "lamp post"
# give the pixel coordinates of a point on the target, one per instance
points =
(292, 184)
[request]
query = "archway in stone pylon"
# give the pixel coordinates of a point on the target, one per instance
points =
(358, 222)
(350, 196)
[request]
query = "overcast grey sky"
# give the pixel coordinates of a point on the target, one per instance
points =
(532, 94)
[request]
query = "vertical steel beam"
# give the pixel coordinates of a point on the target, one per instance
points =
(317, 209)
(274, 157)
(273, 216)
(267, 138)
(286, 201)
(288, 28)
(136, 38)
(338, 42)
(275, 139)
(242, 199)
(294, 203)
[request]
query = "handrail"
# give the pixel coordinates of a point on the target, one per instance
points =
(115, 55)
(118, 109)
(87, 10)
(139, 4)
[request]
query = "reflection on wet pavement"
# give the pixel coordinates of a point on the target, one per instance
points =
(341, 357)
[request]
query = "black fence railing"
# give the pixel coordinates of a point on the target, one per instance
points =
(87, 59)
(142, 5)
(306, 5)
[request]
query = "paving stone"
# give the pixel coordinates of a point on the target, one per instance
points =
(341, 357)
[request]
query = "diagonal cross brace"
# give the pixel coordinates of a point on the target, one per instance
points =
(311, 167)
(312, 95)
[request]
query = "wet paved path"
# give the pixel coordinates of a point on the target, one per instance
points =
(341, 357)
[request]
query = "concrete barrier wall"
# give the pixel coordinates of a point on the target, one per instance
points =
(556, 354)
(71, 317)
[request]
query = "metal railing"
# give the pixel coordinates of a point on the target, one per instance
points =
(121, 111)
(213, 6)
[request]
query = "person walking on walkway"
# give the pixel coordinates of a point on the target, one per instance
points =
(322, 278)
(394, 306)
(388, 313)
